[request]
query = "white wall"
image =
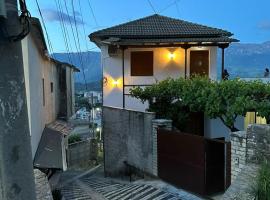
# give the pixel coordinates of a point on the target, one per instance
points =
(164, 67)
(37, 67)
(214, 128)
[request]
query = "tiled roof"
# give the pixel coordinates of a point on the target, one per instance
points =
(61, 126)
(172, 40)
(158, 27)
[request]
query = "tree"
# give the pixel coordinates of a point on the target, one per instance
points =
(225, 100)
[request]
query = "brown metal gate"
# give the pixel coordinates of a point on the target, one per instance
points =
(191, 162)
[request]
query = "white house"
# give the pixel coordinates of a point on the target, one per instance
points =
(49, 88)
(151, 49)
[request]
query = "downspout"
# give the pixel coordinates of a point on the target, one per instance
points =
(123, 76)
(222, 63)
(185, 62)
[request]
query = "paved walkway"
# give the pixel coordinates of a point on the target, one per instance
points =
(98, 188)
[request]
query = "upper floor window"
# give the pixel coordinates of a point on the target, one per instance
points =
(142, 63)
(51, 87)
(43, 91)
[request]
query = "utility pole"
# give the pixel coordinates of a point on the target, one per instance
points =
(16, 165)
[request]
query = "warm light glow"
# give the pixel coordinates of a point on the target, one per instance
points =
(171, 55)
(115, 82)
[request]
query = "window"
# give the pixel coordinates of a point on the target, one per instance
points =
(51, 87)
(142, 63)
(43, 91)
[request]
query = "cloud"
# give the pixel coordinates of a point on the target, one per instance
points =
(53, 15)
(264, 25)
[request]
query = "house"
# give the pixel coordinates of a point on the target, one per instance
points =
(50, 99)
(145, 51)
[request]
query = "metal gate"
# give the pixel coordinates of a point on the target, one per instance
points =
(192, 162)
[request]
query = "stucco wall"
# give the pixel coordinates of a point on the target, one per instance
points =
(36, 68)
(214, 128)
(164, 67)
(127, 137)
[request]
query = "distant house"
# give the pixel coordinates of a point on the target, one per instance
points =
(50, 98)
(145, 51)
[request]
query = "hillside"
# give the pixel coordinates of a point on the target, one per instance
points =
(248, 60)
(91, 65)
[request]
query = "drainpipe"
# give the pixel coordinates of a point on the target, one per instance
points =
(223, 47)
(185, 63)
(186, 47)
(123, 76)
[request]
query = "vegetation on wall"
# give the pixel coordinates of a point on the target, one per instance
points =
(176, 98)
(74, 138)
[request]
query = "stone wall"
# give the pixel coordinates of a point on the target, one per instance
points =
(80, 154)
(127, 137)
(249, 150)
(43, 190)
(238, 153)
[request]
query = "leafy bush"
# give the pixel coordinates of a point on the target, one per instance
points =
(263, 182)
(176, 98)
(74, 138)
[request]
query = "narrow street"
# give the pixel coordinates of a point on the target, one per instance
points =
(92, 186)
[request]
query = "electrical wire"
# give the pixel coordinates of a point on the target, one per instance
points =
(93, 14)
(151, 5)
(24, 21)
(45, 28)
(63, 28)
(77, 32)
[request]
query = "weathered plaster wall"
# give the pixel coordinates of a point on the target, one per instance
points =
(127, 137)
(37, 67)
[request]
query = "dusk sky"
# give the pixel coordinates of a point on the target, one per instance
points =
(249, 20)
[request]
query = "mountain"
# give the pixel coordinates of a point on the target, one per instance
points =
(247, 60)
(91, 63)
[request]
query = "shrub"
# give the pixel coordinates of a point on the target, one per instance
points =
(177, 98)
(74, 138)
(263, 182)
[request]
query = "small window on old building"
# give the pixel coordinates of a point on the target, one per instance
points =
(43, 91)
(51, 87)
(142, 63)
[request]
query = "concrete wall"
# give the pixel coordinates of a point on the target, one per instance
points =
(164, 67)
(127, 137)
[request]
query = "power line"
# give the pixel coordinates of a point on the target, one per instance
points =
(44, 26)
(93, 14)
(177, 8)
(151, 5)
(76, 28)
(77, 46)
(63, 29)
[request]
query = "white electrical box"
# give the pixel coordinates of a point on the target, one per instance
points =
(3, 11)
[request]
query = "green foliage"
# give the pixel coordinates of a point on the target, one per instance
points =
(74, 138)
(225, 100)
(263, 182)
